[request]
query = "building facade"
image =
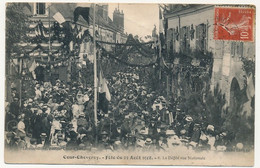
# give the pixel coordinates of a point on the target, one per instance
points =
(118, 18)
(42, 27)
(190, 28)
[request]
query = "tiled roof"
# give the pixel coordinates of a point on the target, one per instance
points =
(67, 11)
(175, 8)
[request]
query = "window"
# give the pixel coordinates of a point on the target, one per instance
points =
(192, 32)
(40, 8)
(184, 38)
(177, 33)
(201, 37)
(169, 40)
(237, 49)
(233, 49)
(174, 41)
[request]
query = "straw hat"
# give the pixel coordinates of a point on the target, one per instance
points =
(188, 119)
(210, 128)
(170, 132)
(148, 141)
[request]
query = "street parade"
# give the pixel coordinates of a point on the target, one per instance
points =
(138, 118)
(71, 88)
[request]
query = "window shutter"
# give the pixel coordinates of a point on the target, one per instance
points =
(232, 48)
(241, 49)
(197, 37)
(174, 40)
(204, 37)
(188, 38)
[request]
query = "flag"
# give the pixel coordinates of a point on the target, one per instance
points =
(83, 11)
(104, 94)
(103, 88)
(160, 21)
(161, 28)
(59, 17)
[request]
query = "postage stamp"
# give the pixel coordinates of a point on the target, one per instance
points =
(234, 23)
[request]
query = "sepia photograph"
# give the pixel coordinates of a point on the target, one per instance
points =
(129, 84)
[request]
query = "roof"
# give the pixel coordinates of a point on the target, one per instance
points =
(67, 11)
(180, 9)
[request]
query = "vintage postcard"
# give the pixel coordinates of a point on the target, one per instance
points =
(130, 84)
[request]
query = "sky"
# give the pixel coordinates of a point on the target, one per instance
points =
(139, 18)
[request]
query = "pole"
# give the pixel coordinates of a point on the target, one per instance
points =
(49, 20)
(167, 87)
(160, 48)
(21, 81)
(95, 66)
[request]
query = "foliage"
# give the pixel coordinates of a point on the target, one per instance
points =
(249, 67)
(206, 107)
(15, 25)
(214, 104)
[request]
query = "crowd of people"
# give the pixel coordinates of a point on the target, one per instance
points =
(61, 116)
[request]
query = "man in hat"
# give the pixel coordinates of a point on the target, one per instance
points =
(210, 133)
(139, 123)
(172, 138)
(148, 145)
(221, 142)
(75, 110)
(47, 123)
(188, 126)
(21, 126)
(116, 131)
(152, 131)
(104, 142)
(37, 126)
(195, 136)
(38, 93)
(85, 100)
(59, 137)
(28, 116)
(72, 143)
(82, 124)
(126, 125)
(14, 109)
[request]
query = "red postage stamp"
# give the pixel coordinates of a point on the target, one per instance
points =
(234, 24)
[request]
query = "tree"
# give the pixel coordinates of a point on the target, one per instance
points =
(208, 109)
(214, 104)
(136, 37)
(15, 31)
(15, 26)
